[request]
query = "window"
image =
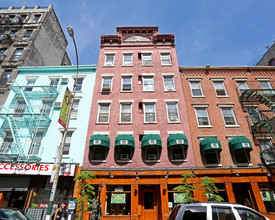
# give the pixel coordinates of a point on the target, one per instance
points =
(165, 59)
(202, 117)
(126, 83)
(68, 142)
(178, 153)
(146, 59)
(242, 86)
(20, 107)
(11, 17)
(54, 82)
(2, 53)
(150, 112)
(249, 214)
(75, 108)
(109, 59)
(103, 113)
(30, 83)
(267, 193)
(211, 157)
(268, 152)
(228, 116)
(148, 83)
(79, 84)
(195, 212)
(34, 149)
(46, 107)
(124, 153)
(220, 88)
(7, 142)
(169, 83)
(27, 35)
(241, 157)
(152, 153)
(13, 34)
(222, 213)
(254, 114)
(266, 86)
(16, 56)
(6, 76)
(35, 18)
(173, 114)
(99, 153)
(127, 59)
(272, 62)
(126, 112)
(196, 88)
(107, 83)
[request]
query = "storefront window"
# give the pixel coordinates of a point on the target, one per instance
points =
(118, 200)
(268, 196)
(174, 196)
(221, 191)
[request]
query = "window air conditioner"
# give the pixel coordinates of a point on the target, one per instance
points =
(64, 80)
(106, 87)
(124, 156)
(152, 156)
(57, 105)
(147, 63)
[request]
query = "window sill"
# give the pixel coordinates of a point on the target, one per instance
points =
(105, 91)
(166, 65)
(148, 90)
(173, 90)
(129, 91)
(150, 122)
(73, 118)
(152, 161)
(213, 165)
(180, 160)
(78, 91)
(147, 65)
(232, 126)
(124, 161)
(243, 164)
(201, 96)
(223, 96)
(125, 123)
(127, 65)
(108, 65)
(102, 123)
(174, 122)
(205, 126)
(99, 161)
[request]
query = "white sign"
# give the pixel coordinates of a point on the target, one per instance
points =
(35, 169)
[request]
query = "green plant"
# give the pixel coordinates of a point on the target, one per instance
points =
(85, 191)
(210, 190)
(186, 188)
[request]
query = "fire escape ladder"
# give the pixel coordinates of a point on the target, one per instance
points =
(264, 100)
(27, 101)
(17, 142)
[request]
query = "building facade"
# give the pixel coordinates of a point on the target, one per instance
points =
(231, 117)
(138, 134)
(29, 37)
(31, 135)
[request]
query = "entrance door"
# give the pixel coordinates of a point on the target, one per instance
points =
(149, 204)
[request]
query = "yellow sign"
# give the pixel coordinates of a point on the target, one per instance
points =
(64, 112)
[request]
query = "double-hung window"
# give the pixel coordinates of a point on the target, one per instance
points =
(268, 151)
(5, 77)
(254, 114)
(36, 18)
(266, 86)
(126, 83)
(75, 108)
(196, 89)
(68, 142)
(202, 116)
(103, 113)
(147, 59)
(127, 59)
(20, 107)
(107, 83)
(169, 84)
(30, 84)
(148, 83)
(242, 86)
(79, 82)
(172, 111)
(150, 113)
(109, 59)
(46, 107)
(220, 88)
(2, 53)
(27, 35)
(125, 112)
(54, 82)
(228, 116)
(17, 54)
(165, 58)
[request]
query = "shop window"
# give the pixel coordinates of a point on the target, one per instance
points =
(118, 200)
(99, 153)
(268, 196)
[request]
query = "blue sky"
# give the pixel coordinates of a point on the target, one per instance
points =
(215, 32)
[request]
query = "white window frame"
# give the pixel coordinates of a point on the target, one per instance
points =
(155, 113)
(223, 88)
(269, 86)
(144, 86)
(232, 113)
(70, 130)
(166, 87)
(109, 63)
(29, 86)
(98, 112)
(164, 57)
(207, 116)
(45, 103)
(54, 81)
(167, 110)
(256, 110)
(120, 117)
(145, 56)
(79, 85)
(106, 78)
(242, 85)
(75, 109)
(125, 63)
(122, 83)
(192, 88)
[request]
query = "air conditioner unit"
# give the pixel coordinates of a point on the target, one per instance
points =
(64, 80)
(152, 157)
(147, 63)
(124, 156)
(57, 105)
(106, 87)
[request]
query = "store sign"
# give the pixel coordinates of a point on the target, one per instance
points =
(179, 197)
(65, 107)
(118, 198)
(35, 169)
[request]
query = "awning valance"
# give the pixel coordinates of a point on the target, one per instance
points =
(125, 140)
(239, 143)
(100, 140)
(151, 140)
(176, 139)
(210, 144)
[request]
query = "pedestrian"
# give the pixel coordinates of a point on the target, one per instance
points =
(60, 212)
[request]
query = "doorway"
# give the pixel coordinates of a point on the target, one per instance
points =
(243, 194)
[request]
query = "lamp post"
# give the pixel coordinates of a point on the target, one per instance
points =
(61, 149)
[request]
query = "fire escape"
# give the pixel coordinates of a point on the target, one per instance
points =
(22, 119)
(262, 127)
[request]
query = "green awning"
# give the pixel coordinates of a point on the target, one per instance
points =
(239, 143)
(151, 140)
(125, 140)
(210, 144)
(176, 139)
(100, 140)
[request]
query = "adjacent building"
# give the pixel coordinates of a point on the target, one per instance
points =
(29, 37)
(31, 135)
(231, 119)
(138, 135)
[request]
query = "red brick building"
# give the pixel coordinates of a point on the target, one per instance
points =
(231, 119)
